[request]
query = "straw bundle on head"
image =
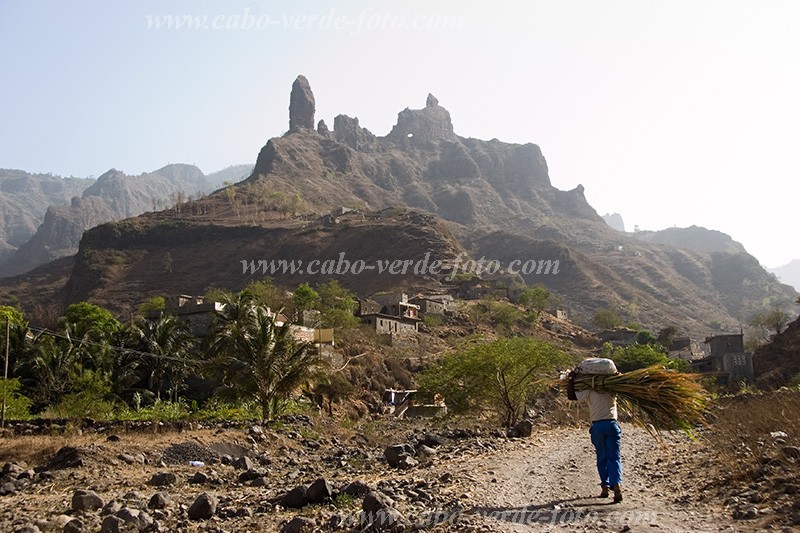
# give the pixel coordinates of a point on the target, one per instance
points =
(655, 396)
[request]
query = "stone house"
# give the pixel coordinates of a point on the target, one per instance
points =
(390, 313)
(726, 359)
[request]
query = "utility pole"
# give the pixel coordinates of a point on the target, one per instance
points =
(5, 373)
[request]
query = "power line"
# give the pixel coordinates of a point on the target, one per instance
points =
(114, 348)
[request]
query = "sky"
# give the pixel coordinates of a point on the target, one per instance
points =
(671, 113)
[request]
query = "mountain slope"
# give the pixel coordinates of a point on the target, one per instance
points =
(113, 196)
(24, 197)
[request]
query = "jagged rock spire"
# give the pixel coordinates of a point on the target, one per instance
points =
(301, 105)
(431, 101)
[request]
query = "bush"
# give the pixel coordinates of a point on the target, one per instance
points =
(17, 405)
(500, 376)
(638, 356)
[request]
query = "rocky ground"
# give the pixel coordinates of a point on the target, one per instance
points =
(301, 474)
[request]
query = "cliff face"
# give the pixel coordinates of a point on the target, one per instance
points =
(423, 164)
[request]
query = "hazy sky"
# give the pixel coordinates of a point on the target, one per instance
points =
(670, 112)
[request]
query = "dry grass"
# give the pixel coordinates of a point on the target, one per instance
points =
(741, 428)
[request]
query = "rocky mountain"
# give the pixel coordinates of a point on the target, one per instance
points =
(694, 238)
(615, 221)
(789, 273)
(24, 197)
(421, 189)
(113, 196)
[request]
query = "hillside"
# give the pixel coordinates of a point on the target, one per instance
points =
(113, 196)
(419, 189)
(24, 198)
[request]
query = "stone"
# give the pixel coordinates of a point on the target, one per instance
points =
(407, 462)
(86, 500)
(322, 129)
(162, 479)
(432, 101)
(199, 478)
(319, 491)
(203, 508)
(791, 451)
(126, 458)
(396, 452)
(75, 525)
(295, 498)
(524, 428)
(243, 463)
(375, 500)
(159, 500)
(250, 475)
(8, 488)
(28, 528)
(301, 105)
(112, 524)
(426, 452)
(299, 524)
(356, 488)
(111, 507)
(140, 519)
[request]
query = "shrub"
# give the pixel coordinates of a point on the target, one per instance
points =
(17, 405)
(500, 376)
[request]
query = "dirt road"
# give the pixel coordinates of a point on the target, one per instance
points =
(549, 482)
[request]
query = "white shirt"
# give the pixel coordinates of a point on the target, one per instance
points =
(602, 405)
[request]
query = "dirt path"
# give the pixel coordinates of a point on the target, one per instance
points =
(549, 483)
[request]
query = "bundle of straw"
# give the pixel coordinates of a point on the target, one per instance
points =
(655, 397)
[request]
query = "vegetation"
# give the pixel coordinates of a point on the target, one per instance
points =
(606, 319)
(256, 358)
(771, 321)
(500, 376)
(636, 356)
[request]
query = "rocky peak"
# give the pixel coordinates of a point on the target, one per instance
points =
(322, 129)
(423, 127)
(301, 105)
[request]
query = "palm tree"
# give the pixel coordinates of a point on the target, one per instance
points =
(256, 357)
(169, 341)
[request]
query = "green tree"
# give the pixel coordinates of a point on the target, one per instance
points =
(156, 303)
(537, 297)
(637, 356)
(667, 335)
(606, 319)
(169, 341)
(644, 336)
(337, 305)
(265, 292)
(500, 375)
(770, 321)
(258, 359)
(305, 298)
(18, 330)
(17, 406)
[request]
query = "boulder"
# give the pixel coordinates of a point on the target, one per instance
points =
(86, 500)
(295, 498)
(243, 463)
(375, 500)
(162, 479)
(319, 491)
(523, 428)
(159, 500)
(299, 524)
(203, 508)
(395, 453)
